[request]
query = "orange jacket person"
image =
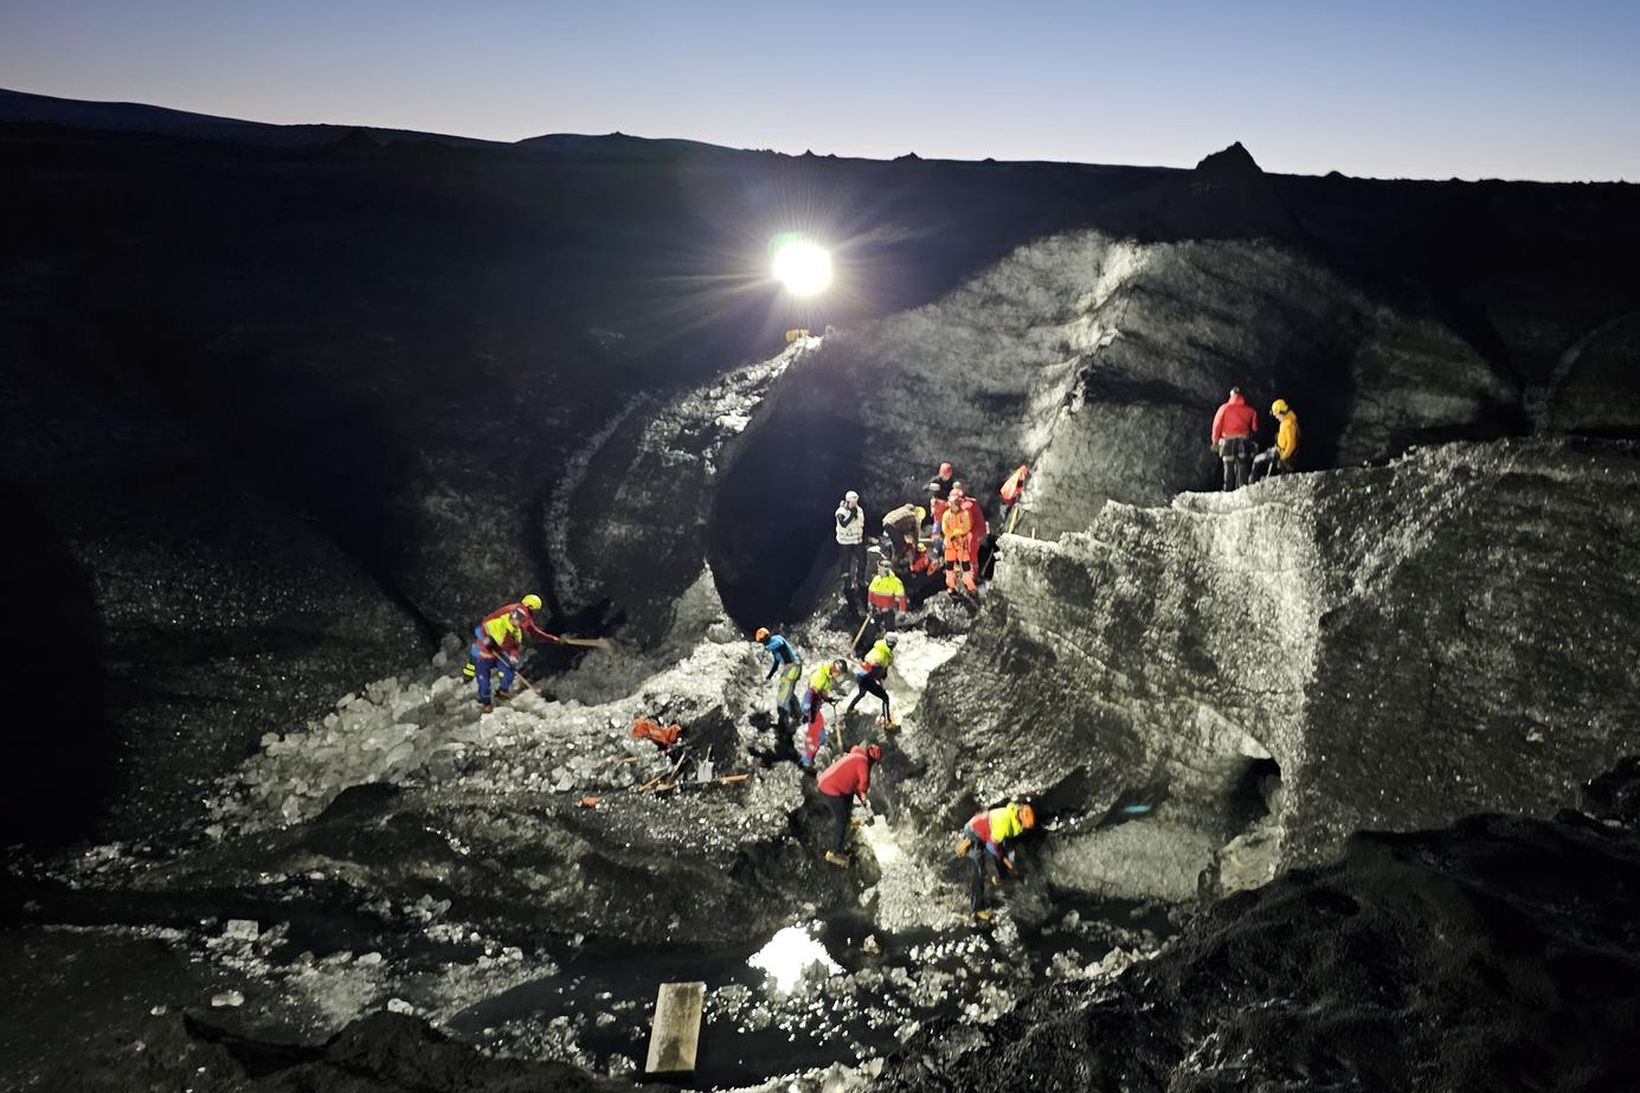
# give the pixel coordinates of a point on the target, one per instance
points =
(957, 528)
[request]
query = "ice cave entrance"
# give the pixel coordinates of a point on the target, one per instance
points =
(790, 954)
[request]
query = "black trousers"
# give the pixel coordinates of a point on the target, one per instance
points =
(851, 566)
(865, 685)
(1237, 453)
(841, 810)
(976, 883)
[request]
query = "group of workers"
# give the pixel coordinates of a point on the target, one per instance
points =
(1234, 439)
(953, 542)
(807, 707)
(989, 839)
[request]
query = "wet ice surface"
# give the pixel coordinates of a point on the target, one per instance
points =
(597, 1010)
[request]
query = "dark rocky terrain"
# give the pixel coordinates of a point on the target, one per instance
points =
(286, 407)
(1500, 953)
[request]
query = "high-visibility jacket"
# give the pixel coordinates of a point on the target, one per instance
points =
(877, 660)
(995, 827)
(821, 681)
(849, 776)
(501, 631)
(885, 591)
(507, 626)
(1235, 418)
(851, 523)
(1287, 436)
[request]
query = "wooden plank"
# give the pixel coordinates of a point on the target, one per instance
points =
(675, 1035)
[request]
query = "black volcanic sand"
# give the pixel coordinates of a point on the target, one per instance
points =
(1500, 953)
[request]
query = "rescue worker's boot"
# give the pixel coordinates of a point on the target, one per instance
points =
(985, 914)
(486, 708)
(503, 696)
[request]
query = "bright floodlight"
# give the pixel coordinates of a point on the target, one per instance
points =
(802, 267)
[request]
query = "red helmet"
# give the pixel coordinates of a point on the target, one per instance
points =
(946, 470)
(874, 752)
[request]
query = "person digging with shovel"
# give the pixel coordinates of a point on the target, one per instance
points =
(498, 642)
(841, 784)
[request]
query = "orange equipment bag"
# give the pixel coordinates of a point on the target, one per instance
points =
(1016, 482)
(645, 729)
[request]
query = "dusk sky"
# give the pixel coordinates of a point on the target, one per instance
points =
(1430, 90)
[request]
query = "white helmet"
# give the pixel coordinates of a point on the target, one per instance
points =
(851, 496)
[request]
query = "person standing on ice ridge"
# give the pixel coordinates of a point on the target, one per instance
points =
(939, 491)
(851, 546)
(1232, 437)
(841, 784)
(957, 530)
(783, 659)
(498, 641)
(987, 838)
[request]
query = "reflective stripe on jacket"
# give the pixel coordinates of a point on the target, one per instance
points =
(851, 524)
(885, 591)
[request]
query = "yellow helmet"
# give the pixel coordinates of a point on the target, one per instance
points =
(531, 601)
(1279, 406)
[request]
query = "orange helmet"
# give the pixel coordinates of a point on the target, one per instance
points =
(762, 633)
(1027, 817)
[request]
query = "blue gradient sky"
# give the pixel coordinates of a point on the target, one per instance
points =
(1431, 90)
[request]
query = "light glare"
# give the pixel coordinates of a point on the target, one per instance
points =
(805, 269)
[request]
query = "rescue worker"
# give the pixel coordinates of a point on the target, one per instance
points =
(939, 491)
(885, 598)
(826, 681)
(841, 784)
(1279, 459)
(873, 670)
(979, 530)
(851, 546)
(957, 528)
(784, 660)
(987, 838)
(498, 641)
(1232, 437)
(900, 528)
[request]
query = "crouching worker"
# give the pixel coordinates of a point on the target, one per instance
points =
(843, 783)
(784, 661)
(988, 837)
(824, 684)
(498, 641)
(1279, 459)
